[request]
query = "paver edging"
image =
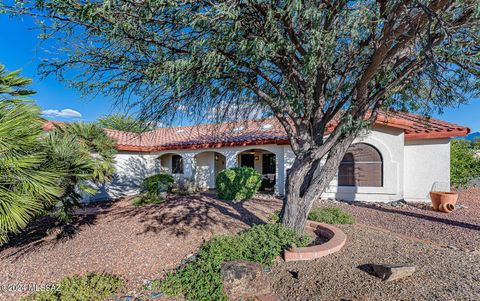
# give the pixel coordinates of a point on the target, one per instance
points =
(335, 243)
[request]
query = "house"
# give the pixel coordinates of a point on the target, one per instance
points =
(401, 157)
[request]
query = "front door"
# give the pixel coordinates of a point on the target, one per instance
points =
(248, 160)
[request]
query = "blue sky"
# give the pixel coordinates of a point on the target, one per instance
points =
(20, 49)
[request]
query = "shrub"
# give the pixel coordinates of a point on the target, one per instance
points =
(201, 280)
(157, 183)
(90, 287)
(146, 199)
(464, 162)
(331, 215)
(184, 186)
(238, 184)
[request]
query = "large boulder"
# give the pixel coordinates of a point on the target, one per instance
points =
(243, 280)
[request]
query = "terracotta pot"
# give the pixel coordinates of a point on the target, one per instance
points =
(439, 197)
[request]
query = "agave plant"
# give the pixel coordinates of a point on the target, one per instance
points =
(27, 183)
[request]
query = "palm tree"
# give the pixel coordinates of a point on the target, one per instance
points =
(27, 183)
(85, 152)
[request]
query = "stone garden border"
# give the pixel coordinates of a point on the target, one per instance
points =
(336, 242)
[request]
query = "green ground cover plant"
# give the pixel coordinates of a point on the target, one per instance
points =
(146, 199)
(331, 215)
(200, 279)
(90, 287)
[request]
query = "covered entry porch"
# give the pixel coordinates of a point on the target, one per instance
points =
(203, 166)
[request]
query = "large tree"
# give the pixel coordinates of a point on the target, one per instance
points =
(309, 63)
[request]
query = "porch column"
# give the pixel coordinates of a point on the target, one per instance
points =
(230, 157)
(188, 165)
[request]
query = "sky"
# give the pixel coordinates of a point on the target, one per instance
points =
(20, 50)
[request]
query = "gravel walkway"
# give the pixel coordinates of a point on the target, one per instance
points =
(137, 243)
(442, 274)
(459, 229)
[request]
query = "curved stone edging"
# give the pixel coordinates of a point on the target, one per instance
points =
(335, 243)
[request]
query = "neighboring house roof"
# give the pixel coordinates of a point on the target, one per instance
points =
(264, 131)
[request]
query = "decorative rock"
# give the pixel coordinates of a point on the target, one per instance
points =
(156, 295)
(243, 280)
(391, 272)
(125, 298)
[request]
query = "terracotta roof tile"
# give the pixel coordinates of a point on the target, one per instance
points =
(264, 131)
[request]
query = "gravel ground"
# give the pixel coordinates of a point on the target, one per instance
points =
(442, 274)
(459, 229)
(141, 243)
(137, 243)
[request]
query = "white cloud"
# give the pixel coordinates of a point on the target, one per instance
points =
(62, 113)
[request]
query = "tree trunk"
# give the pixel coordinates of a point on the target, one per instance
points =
(306, 180)
(296, 206)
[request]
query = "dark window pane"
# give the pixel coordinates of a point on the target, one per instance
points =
(248, 160)
(268, 163)
(361, 166)
(177, 164)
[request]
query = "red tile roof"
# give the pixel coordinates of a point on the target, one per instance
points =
(264, 131)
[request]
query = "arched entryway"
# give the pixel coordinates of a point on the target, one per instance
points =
(208, 165)
(172, 163)
(265, 162)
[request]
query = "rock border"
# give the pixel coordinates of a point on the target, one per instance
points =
(335, 243)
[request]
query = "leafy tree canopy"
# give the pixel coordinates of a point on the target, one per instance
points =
(126, 123)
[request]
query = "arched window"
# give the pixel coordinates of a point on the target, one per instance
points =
(362, 165)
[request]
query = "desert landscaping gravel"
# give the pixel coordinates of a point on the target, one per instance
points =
(459, 229)
(137, 243)
(141, 243)
(442, 274)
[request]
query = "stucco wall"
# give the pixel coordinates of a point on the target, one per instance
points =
(409, 168)
(426, 162)
(130, 169)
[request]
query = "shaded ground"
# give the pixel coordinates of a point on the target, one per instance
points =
(137, 243)
(459, 229)
(442, 274)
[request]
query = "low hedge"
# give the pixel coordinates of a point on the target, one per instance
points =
(159, 182)
(238, 183)
(201, 280)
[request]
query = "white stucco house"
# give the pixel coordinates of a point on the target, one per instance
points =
(401, 157)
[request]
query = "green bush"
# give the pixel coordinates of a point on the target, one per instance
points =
(331, 215)
(201, 280)
(238, 184)
(464, 164)
(157, 183)
(146, 199)
(90, 287)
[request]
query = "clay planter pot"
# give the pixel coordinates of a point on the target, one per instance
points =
(443, 201)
